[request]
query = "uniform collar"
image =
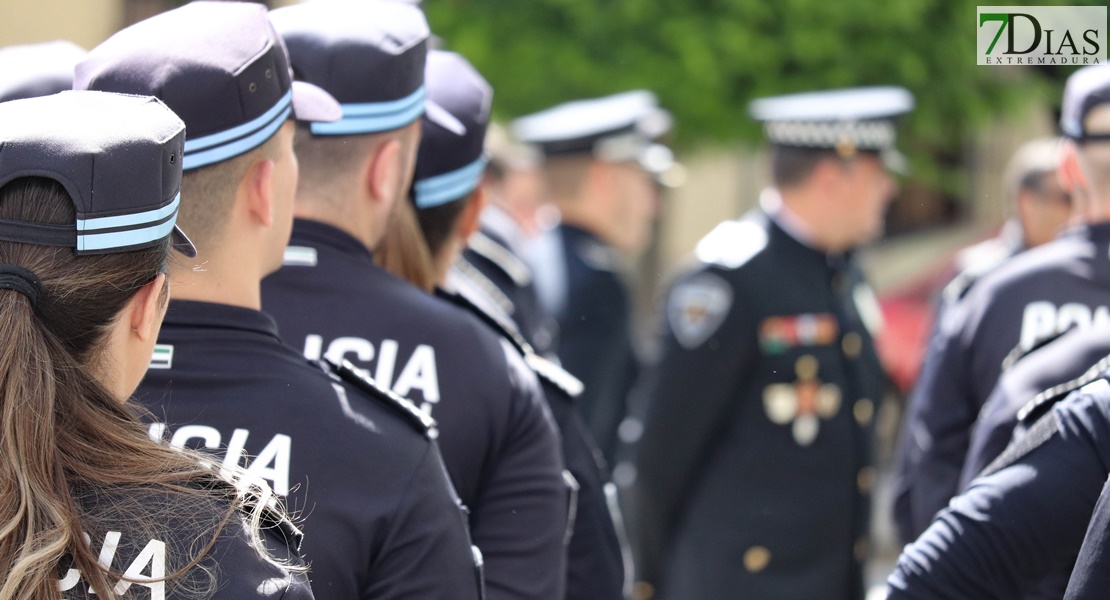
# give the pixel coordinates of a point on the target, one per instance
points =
(196, 315)
(786, 221)
(1092, 231)
(317, 234)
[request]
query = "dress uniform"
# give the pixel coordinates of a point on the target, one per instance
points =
(116, 155)
(1036, 296)
(1060, 362)
(446, 176)
(593, 308)
(754, 467)
(330, 299)
(1091, 576)
(357, 461)
(34, 70)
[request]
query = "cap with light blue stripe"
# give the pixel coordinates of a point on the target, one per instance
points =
(447, 187)
(374, 117)
(217, 147)
(102, 233)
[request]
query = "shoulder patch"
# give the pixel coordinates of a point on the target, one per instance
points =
(300, 256)
(697, 307)
(732, 243)
(502, 257)
(352, 375)
(557, 375)
(1044, 401)
(162, 357)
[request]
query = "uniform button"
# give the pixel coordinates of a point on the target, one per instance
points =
(642, 590)
(861, 549)
(852, 344)
(756, 559)
(806, 367)
(865, 479)
(864, 411)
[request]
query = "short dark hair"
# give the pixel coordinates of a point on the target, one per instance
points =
(438, 222)
(793, 165)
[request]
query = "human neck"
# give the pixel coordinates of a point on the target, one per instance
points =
(579, 212)
(337, 210)
(221, 278)
(805, 210)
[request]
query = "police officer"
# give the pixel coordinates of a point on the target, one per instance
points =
(499, 442)
(448, 195)
(754, 468)
(1020, 525)
(1032, 298)
(597, 175)
(88, 196)
(1089, 580)
(354, 459)
(34, 70)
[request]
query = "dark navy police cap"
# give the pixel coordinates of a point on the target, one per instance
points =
(33, 70)
(118, 157)
(219, 65)
(369, 54)
(1086, 88)
(848, 120)
(451, 160)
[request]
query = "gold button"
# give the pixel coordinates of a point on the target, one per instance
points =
(852, 344)
(861, 549)
(806, 367)
(865, 479)
(642, 590)
(756, 559)
(864, 411)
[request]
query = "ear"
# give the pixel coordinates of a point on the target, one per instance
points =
(1071, 175)
(258, 184)
(470, 219)
(383, 172)
(145, 309)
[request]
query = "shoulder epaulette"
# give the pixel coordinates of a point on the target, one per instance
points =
(555, 374)
(733, 243)
(487, 286)
(1044, 401)
(502, 257)
(352, 375)
(1019, 353)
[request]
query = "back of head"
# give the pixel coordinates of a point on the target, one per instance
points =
(1032, 161)
(1085, 119)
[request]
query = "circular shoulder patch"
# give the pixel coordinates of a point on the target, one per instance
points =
(697, 307)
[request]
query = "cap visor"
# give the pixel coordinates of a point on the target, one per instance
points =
(182, 243)
(311, 103)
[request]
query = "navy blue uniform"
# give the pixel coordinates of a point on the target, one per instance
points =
(1036, 295)
(233, 569)
(499, 442)
(1016, 531)
(754, 468)
(1090, 579)
(595, 334)
(595, 555)
(380, 511)
(1058, 363)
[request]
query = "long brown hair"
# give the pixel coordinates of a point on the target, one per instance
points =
(403, 251)
(71, 454)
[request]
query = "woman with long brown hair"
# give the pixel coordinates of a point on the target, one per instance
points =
(89, 188)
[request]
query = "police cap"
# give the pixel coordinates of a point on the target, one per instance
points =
(1086, 88)
(451, 160)
(369, 54)
(33, 70)
(118, 157)
(219, 65)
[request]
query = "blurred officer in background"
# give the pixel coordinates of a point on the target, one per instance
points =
(1017, 529)
(1019, 305)
(599, 173)
(90, 501)
(499, 442)
(1040, 207)
(754, 468)
(382, 513)
(448, 195)
(34, 70)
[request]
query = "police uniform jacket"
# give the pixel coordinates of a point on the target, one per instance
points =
(755, 461)
(1091, 577)
(232, 569)
(595, 333)
(1059, 363)
(1036, 295)
(499, 442)
(1017, 529)
(595, 552)
(380, 512)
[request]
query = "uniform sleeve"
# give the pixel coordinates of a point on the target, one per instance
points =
(992, 431)
(939, 416)
(520, 521)
(1091, 577)
(687, 396)
(1014, 527)
(426, 553)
